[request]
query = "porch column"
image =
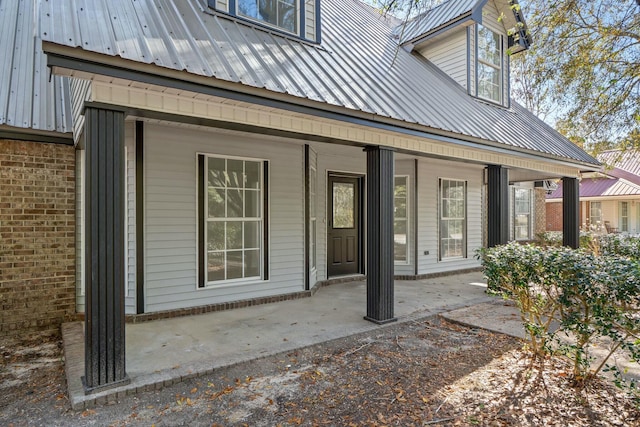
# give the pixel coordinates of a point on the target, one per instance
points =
(570, 212)
(498, 205)
(380, 169)
(104, 250)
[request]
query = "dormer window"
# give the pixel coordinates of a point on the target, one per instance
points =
(297, 18)
(489, 65)
(282, 14)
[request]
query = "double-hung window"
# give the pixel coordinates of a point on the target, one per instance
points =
(453, 218)
(624, 216)
(232, 219)
(400, 220)
(282, 14)
(489, 72)
(595, 214)
(522, 213)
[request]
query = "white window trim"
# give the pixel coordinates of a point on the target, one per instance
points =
(628, 216)
(465, 233)
(313, 260)
(407, 218)
(264, 209)
(601, 222)
(500, 68)
(529, 214)
(296, 32)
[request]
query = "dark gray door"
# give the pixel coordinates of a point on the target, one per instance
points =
(344, 246)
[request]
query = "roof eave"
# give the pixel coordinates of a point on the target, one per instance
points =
(413, 43)
(77, 59)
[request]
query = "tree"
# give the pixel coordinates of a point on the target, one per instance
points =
(582, 74)
(584, 69)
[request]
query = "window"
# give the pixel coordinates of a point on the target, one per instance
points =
(233, 218)
(282, 14)
(624, 216)
(595, 214)
(453, 195)
(522, 213)
(400, 222)
(313, 188)
(489, 72)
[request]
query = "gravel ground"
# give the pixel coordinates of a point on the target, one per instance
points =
(427, 372)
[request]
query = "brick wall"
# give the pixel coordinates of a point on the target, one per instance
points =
(540, 214)
(37, 236)
(554, 216)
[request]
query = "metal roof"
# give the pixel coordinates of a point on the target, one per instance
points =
(448, 14)
(622, 179)
(28, 98)
(433, 19)
(358, 67)
(601, 187)
(627, 160)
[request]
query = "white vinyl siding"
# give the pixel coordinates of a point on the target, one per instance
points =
(171, 215)
(450, 55)
(310, 19)
(222, 5)
(429, 172)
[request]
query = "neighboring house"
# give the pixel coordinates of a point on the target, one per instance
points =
(234, 153)
(609, 200)
(37, 181)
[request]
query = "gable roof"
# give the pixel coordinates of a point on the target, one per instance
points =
(623, 179)
(445, 14)
(29, 99)
(627, 160)
(452, 13)
(358, 70)
(601, 187)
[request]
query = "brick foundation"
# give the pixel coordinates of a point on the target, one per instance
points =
(37, 236)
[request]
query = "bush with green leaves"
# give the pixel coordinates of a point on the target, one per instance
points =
(569, 298)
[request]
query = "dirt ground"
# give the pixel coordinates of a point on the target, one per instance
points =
(427, 372)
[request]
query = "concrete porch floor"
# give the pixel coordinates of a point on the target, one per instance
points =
(163, 352)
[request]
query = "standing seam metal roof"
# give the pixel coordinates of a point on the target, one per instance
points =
(28, 98)
(440, 15)
(358, 66)
(601, 187)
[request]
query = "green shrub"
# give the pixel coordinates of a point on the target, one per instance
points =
(587, 294)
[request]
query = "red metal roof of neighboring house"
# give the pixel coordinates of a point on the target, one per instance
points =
(622, 178)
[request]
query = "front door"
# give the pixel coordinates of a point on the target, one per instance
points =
(343, 228)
